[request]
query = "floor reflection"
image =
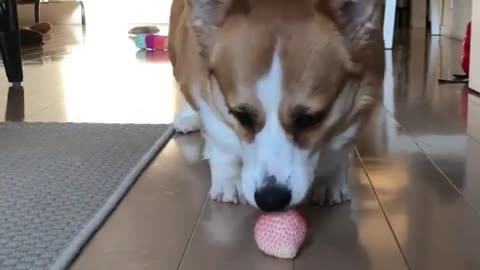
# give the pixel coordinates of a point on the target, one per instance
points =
(15, 108)
(421, 152)
(75, 78)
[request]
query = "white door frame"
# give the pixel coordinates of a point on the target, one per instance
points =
(435, 12)
(389, 23)
(389, 19)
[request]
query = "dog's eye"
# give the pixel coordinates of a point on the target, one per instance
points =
(244, 117)
(303, 121)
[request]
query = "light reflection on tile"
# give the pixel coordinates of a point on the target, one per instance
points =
(89, 80)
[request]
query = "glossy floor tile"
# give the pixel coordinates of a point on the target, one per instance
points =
(79, 77)
(153, 224)
(351, 236)
(435, 225)
(416, 190)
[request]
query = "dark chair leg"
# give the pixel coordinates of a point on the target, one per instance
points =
(37, 11)
(11, 54)
(10, 45)
(82, 6)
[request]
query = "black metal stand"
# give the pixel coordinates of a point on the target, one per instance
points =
(10, 44)
(457, 78)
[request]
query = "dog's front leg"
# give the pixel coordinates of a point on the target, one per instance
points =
(225, 172)
(186, 120)
(332, 184)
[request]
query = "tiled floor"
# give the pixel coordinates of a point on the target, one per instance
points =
(416, 193)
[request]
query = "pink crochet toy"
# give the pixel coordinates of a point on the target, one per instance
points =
(280, 234)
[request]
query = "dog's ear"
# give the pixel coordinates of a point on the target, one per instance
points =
(358, 20)
(207, 17)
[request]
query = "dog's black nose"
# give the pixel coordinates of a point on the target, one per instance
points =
(273, 197)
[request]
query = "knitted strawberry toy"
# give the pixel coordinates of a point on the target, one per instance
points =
(280, 234)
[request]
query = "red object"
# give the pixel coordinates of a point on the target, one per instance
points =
(156, 42)
(466, 49)
(280, 234)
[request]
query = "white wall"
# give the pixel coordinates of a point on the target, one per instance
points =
(64, 13)
(475, 48)
(456, 15)
(101, 12)
(132, 12)
(148, 11)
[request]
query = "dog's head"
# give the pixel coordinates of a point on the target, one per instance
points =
(292, 79)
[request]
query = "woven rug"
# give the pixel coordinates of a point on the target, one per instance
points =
(59, 182)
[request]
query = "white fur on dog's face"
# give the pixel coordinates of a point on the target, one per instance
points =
(272, 153)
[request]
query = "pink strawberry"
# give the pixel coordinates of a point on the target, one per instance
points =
(280, 234)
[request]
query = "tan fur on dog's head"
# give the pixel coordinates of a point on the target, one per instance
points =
(332, 51)
(329, 54)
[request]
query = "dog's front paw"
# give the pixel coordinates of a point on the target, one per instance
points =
(330, 193)
(225, 171)
(187, 124)
(227, 192)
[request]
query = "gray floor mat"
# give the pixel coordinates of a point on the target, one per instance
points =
(58, 183)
